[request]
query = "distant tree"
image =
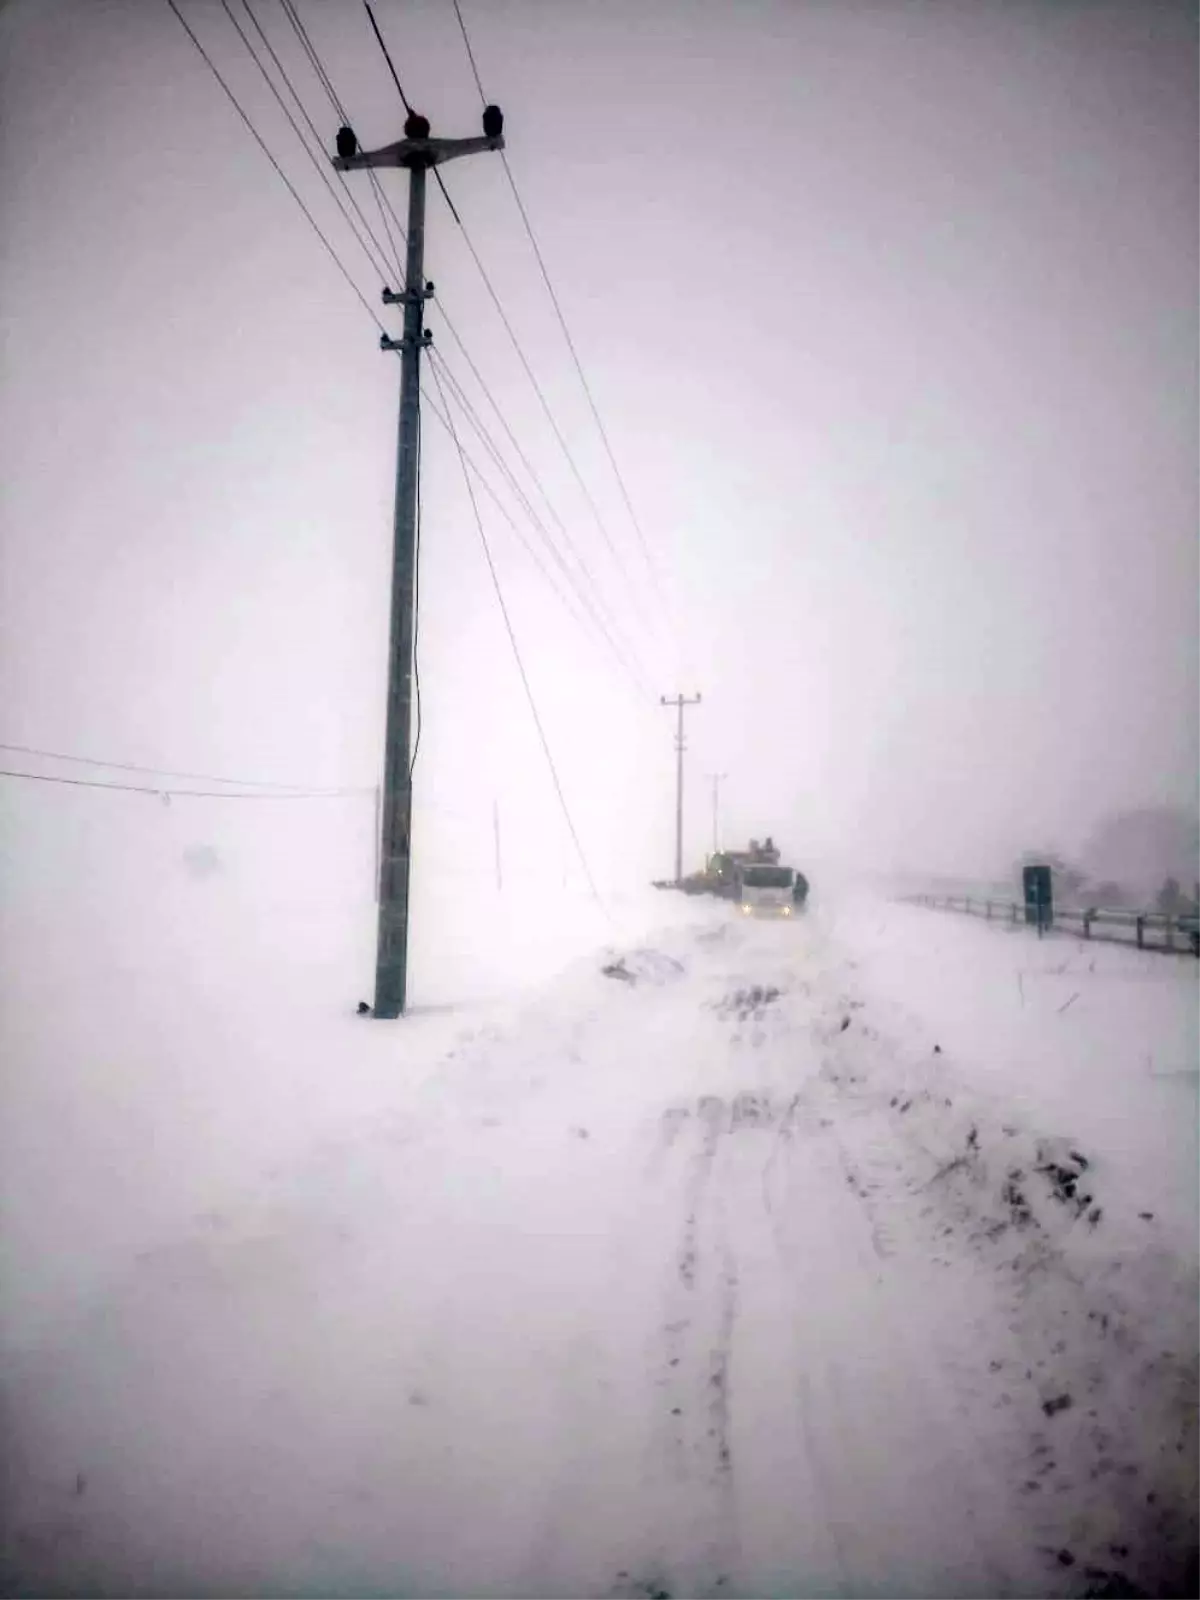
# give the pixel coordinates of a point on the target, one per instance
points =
(1171, 901)
(1106, 896)
(1140, 849)
(1070, 882)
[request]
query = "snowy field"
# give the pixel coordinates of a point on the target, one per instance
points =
(851, 1257)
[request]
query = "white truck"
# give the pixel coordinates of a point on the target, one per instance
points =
(766, 890)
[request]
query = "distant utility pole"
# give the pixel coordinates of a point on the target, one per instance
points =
(717, 778)
(417, 152)
(679, 702)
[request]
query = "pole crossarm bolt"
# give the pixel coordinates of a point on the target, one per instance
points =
(405, 343)
(392, 297)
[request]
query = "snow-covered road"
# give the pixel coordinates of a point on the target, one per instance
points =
(711, 1275)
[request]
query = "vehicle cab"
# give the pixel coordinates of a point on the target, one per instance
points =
(765, 890)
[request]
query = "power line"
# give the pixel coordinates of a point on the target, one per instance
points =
(335, 101)
(400, 87)
(470, 53)
(579, 593)
(524, 459)
(516, 343)
(387, 56)
(545, 405)
(283, 175)
(587, 388)
(163, 772)
(598, 607)
(318, 164)
(340, 110)
(386, 208)
(506, 472)
(205, 794)
(512, 638)
(443, 417)
(301, 33)
(562, 322)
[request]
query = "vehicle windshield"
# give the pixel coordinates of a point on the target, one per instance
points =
(767, 877)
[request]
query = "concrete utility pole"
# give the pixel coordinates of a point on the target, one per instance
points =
(679, 702)
(417, 152)
(717, 778)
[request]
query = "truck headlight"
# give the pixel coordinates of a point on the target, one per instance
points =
(745, 911)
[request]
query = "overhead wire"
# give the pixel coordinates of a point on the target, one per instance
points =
(512, 639)
(568, 454)
(323, 76)
(512, 438)
(263, 146)
(387, 56)
(301, 32)
(605, 628)
(204, 794)
(562, 322)
(386, 208)
(484, 483)
(381, 252)
(166, 772)
(339, 109)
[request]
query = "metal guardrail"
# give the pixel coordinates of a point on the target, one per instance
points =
(1149, 930)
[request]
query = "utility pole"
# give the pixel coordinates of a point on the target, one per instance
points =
(717, 778)
(416, 152)
(679, 702)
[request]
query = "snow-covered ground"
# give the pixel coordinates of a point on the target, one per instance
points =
(850, 1257)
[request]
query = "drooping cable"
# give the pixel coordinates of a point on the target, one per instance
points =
(508, 327)
(512, 639)
(381, 254)
(606, 627)
(387, 56)
(204, 794)
(165, 772)
(261, 142)
(386, 209)
(340, 110)
(289, 10)
(562, 322)
(639, 688)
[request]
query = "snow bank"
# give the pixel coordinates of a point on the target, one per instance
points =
(177, 1008)
(1045, 1093)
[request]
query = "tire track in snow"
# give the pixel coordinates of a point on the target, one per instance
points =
(1091, 1490)
(902, 1514)
(693, 1456)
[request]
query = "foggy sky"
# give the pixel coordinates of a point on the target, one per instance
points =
(890, 311)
